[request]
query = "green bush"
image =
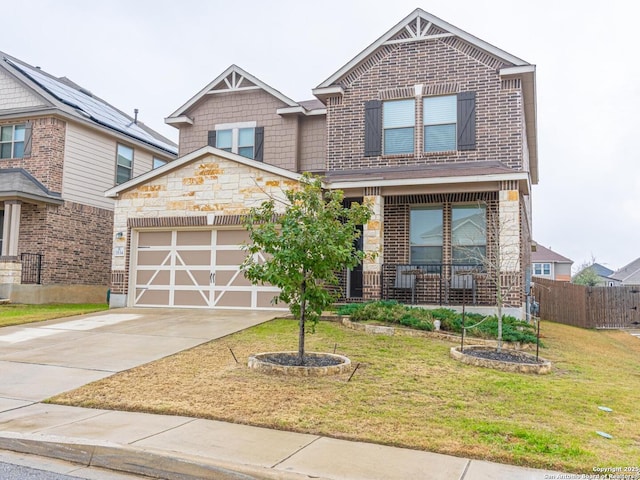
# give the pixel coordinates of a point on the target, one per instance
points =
(390, 311)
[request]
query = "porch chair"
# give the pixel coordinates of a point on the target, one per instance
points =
(406, 279)
(462, 279)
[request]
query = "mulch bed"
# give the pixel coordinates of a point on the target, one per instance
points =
(503, 356)
(291, 359)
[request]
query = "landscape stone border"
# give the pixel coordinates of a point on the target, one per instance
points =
(542, 368)
(256, 362)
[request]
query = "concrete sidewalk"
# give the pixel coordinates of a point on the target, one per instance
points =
(185, 448)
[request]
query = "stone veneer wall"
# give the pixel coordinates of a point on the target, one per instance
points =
(198, 194)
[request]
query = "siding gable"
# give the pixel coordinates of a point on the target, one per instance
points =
(15, 95)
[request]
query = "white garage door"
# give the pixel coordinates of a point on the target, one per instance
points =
(195, 268)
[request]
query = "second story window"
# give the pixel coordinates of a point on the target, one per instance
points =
(440, 118)
(542, 269)
(398, 122)
(244, 139)
(158, 162)
(124, 164)
(448, 124)
(12, 139)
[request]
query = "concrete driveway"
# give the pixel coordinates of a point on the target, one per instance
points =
(42, 359)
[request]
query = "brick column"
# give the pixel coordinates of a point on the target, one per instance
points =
(373, 244)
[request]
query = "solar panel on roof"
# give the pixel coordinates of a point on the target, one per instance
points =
(97, 110)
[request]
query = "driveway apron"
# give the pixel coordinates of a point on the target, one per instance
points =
(42, 359)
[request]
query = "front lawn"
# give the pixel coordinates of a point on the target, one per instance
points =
(17, 314)
(408, 392)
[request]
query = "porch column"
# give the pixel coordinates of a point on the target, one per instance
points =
(509, 238)
(11, 228)
(373, 233)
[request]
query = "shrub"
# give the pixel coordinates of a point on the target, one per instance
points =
(390, 311)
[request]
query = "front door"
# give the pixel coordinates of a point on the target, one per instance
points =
(355, 275)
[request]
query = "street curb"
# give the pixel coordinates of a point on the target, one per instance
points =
(130, 459)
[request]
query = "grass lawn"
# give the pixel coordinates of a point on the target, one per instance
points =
(408, 392)
(17, 314)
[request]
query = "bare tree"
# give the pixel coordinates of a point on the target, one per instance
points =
(490, 239)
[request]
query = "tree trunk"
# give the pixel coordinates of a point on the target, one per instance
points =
(303, 308)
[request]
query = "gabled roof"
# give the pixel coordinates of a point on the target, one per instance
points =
(233, 79)
(543, 254)
(422, 26)
(186, 159)
(630, 273)
(601, 270)
(68, 97)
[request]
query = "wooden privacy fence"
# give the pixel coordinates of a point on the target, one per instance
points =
(588, 307)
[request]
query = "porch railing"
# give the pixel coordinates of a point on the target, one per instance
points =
(31, 268)
(437, 284)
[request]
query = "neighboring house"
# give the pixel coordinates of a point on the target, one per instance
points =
(60, 149)
(604, 275)
(629, 274)
(548, 264)
(431, 126)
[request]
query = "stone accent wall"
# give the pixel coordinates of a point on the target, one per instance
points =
(10, 272)
(208, 188)
(280, 132)
(373, 231)
(47, 152)
(441, 66)
(75, 240)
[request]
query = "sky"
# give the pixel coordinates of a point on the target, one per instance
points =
(154, 55)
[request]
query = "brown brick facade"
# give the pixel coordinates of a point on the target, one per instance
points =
(75, 240)
(441, 68)
(47, 152)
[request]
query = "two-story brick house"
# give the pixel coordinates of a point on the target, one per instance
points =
(435, 128)
(60, 149)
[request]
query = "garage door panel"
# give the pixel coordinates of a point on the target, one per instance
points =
(153, 257)
(232, 237)
(230, 299)
(154, 277)
(158, 239)
(193, 237)
(193, 277)
(195, 268)
(230, 257)
(152, 297)
(231, 278)
(190, 298)
(266, 300)
(193, 257)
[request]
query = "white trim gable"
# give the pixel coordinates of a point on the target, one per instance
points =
(208, 150)
(233, 79)
(413, 28)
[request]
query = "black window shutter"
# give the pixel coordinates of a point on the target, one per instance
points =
(259, 144)
(467, 121)
(373, 128)
(28, 131)
(211, 138)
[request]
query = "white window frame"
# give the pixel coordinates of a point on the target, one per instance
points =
(538, 268)
(158, 162)
(235, 134)
(13, 141)
(426, 124)
(412, 125)
(118, 165)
